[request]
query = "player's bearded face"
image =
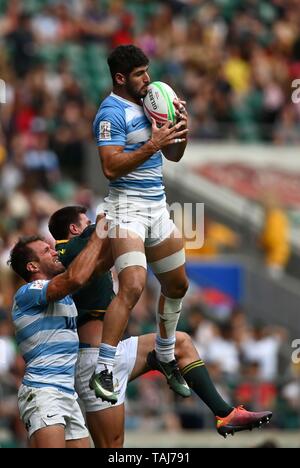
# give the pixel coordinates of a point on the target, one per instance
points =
(137, 83)
(48, 262)
(135, 90)
(52, 266)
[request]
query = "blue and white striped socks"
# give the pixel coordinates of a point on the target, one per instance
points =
(165, 348)
(106, 358)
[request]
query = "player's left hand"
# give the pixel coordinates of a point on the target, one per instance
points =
(181, 113)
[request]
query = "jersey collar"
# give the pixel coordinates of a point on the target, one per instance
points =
(137, 106)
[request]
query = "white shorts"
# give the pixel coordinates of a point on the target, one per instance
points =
(86, 363)
(150, 220)
(47, 406)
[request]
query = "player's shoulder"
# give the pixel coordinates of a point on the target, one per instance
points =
(26, 292)
(26, 288)
(113, 103)
(111, 110)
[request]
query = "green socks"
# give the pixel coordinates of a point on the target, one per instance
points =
(198, 379)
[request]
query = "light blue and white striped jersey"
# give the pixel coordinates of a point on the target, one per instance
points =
(47, 337)
(120, 122)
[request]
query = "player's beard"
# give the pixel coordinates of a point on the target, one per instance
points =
(135, 93)
(54, 270)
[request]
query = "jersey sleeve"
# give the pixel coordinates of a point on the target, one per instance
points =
(32, 295)
(110, 127)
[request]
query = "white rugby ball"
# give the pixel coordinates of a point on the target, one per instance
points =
(158, 103)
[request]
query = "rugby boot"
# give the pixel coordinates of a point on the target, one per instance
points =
(241, 420)
(172, 373)
(103, 386)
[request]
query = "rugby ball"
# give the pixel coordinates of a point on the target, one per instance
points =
(158, 103)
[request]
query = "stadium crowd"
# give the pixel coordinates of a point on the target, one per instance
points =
(233, 61)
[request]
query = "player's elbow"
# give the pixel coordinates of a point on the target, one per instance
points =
(108, 171)
(109, 174)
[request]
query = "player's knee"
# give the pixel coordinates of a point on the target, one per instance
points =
(183, 344)
(116, 441)
(131, 292)
(178, 289)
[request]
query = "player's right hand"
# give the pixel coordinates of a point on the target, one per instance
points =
(101, 226)
(167, 134)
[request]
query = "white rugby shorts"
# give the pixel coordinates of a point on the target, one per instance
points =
(48, 406)
(150, 220)
(86, 363)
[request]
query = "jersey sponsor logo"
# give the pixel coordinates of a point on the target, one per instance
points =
(152, 99)
(38, 284)
(105, 130)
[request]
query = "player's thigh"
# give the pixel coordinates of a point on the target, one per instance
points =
(167, 260)
(124, 241)
(129, 257)
(167, 247)
(48, 437)
(45, 410)
(107, 427)
(146, 343)
(91, 333)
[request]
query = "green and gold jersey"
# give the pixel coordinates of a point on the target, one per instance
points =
(93, 299)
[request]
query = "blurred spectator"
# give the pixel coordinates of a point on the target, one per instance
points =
(274, 238)
(223, 350)
(199, 327)
(41, 163)
(262, 348)
(253, 391)
(286, 131)
(290, 404)
(22, 42)
(7, 348)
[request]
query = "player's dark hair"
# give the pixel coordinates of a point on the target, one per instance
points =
(123, 59)
(60, 221)
(21, 254)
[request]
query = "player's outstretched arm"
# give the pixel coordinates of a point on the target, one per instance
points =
(82, 267)
(116, 163)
